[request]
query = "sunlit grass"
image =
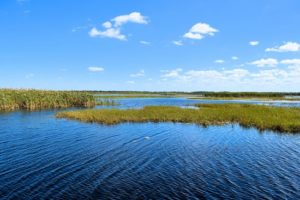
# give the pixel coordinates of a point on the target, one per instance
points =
(261, 117)
(40, 99)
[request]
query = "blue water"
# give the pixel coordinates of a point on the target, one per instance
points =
(141, 102)
(42, 157)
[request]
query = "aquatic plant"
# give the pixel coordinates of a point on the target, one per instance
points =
(43, 99)
(262, 117)
(105, 102)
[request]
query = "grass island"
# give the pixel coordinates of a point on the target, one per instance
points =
(261, 117)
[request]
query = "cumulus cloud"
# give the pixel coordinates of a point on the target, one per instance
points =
(234, 58)
(235, 79)
(236, 73)
(107, 24)
(199, 31)
(192, 75)
(284, 75)
(112, 28)
(265, 62)
(171, 73)
(219, 61)
(134, 17)
(272, 62)
(270, 75)
(95, 69)
(286, 47)
(293, 62)
(177, 42)
(254, 43)
(110, 33)
(141, 73)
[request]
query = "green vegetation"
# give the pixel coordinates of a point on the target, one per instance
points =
(126, 96)
(105, 102)
(141, 93)
(200, 95)
(132, 94)
(244, 94)
(39, 99)
(246, 98)
(262, 117)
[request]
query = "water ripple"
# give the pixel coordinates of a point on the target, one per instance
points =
(47, 158)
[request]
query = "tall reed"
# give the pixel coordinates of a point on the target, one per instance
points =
(43, 99)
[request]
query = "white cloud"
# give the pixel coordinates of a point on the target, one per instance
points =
(203, 28)
(235, 79)
(110, 33)
(134, 17)
(219, 61)
(236, 73)
(199, 31)
(234, 58)
(195, 36)
(177, 42)
(291, 62)
(112, 28)
(171, 73)
(254, 43)
(265, 62)
(141, 73)
(107, 24)
(145, 42)
(287, 47)
(96, 69)
(193, 75)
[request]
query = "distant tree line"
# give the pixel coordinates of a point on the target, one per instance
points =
(246, 94)
(206, 93)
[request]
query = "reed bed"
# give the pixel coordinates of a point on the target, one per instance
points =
(41, 99)
(106, 102)
(261, 117)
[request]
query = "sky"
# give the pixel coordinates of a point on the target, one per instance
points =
(150, 45)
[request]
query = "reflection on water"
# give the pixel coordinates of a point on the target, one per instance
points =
(42, 157)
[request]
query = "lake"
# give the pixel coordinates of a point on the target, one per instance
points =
(42, 157)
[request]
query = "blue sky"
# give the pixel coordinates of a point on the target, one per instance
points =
(156, 45)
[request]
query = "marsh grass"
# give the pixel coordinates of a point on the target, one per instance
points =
(261, 117)
(40, 99)
(106, 102)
